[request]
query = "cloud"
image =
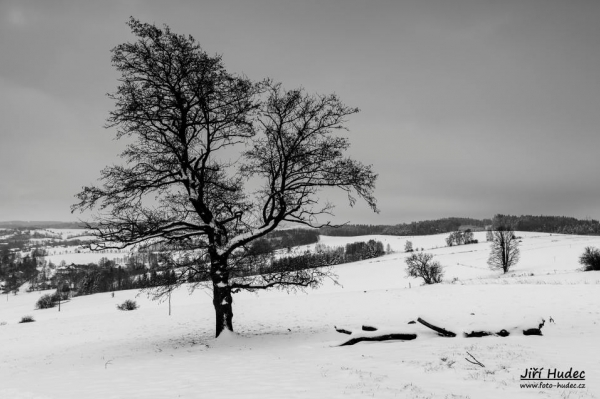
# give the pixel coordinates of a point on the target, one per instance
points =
(16, 17)
(48, 150)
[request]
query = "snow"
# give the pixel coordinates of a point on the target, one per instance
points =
(78, 234)
(81, 256)
(285, 345)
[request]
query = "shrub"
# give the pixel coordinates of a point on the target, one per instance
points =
(128, 305)
(45, 302)
(27, 319)
(590, 259)
(421, 265)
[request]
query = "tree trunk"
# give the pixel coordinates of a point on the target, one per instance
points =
(222, 300)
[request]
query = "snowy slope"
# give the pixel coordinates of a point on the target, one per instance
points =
(286, 346)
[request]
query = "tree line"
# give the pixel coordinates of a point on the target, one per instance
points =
(541, 224)
(548, 224)
(425, 227)
(20, 239)
(284, 239)
(327, 256)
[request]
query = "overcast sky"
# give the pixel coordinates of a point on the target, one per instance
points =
(468, 108)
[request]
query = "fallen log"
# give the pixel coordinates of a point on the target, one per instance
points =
(361, 336)
(535, 331)
(504, 333)
(437, 329)
(532, 331)
(385, 337)
(478, 334)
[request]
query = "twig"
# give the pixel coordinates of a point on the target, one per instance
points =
(476, 362)
(107, 363)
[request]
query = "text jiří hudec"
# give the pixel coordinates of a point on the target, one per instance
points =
(535, 373)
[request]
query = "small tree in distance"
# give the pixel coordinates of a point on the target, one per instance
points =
(504, 251)
(422, 265)
(408, 247)
(388, 249)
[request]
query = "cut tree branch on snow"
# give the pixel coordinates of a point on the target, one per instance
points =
(385, 337)
(437, 329)
(342, 331)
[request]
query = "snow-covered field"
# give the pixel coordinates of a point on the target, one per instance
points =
(286, 345)
(67, 234)
(82, 256)
(75, 253)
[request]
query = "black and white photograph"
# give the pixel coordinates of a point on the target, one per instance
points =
(299, 199)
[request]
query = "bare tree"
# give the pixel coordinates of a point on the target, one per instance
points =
(422, 265)
(214, 162)
(504, 249)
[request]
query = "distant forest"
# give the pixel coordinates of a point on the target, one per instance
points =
(20, 224)
(283, 239)
(542, 224)
(424, 227)
(279, 239)
(549, 224)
